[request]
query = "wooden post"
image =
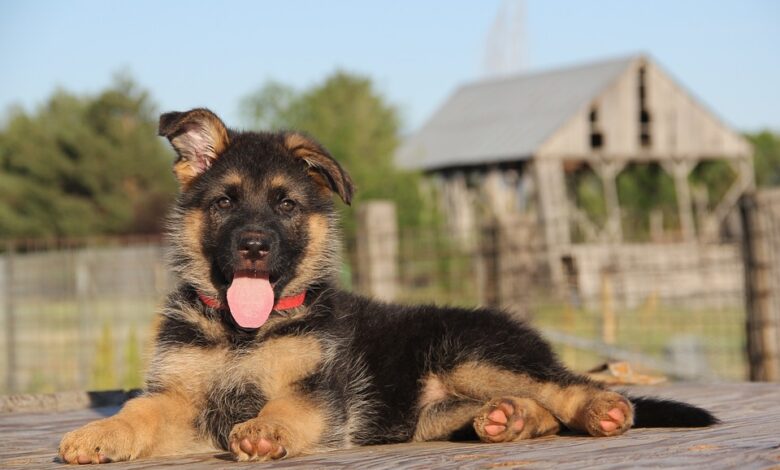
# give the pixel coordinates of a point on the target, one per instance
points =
(608, 317)
(550, 184)
(763, 321)
(83, 283)
(679, 170)
(489, 249)
(377, 250)
(608, 171)
(515, 262)
(11, 385)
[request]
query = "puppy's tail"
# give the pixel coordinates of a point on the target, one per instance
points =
(658, 413)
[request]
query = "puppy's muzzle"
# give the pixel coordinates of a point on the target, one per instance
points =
(254, 246)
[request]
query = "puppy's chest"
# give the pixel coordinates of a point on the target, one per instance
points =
(273, 367)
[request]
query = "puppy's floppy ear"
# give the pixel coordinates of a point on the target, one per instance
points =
(322, 166)
(198, 136)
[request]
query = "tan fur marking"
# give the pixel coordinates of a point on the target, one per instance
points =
(219, 136)
(303, 418)
(153, 418)
(183, 170)
(232, 178)
(315, 256)
(568, 402)
(279, 181)
(436, 424)
(281, 362)
(322, 184)
(187, 371)
(433, 391)
(293, 141)
(198, 273)
(484, 382)
(305, 149)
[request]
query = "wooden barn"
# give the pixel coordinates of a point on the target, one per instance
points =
(502, 147)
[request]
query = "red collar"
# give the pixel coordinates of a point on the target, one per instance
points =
(285, 303)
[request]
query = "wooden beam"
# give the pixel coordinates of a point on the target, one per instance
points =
(745, 181)
(553, 205)
(679, 169)
(608, 170)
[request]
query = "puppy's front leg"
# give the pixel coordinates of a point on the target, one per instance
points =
(158, 424)
(285, 427)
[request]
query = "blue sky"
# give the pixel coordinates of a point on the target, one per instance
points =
(196, 53)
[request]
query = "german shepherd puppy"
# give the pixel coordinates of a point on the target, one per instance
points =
(260, 353)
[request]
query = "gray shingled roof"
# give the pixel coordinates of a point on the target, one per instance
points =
(505, 119)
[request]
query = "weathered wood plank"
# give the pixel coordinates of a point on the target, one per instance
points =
(748, 438)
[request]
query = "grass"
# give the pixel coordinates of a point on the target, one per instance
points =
(102, 343)
(66, 345)
(652, 329)
(445, 275)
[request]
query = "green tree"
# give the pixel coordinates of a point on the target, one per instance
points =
(586, 190)
(360, 129)
(766, 146)
(641, 189)
(715, 177)
(84, 165)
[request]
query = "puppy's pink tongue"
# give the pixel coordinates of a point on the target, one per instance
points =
(251, 300)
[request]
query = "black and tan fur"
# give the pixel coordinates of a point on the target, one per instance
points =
(341, 370)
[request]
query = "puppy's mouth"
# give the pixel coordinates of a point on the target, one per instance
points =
(250, 298)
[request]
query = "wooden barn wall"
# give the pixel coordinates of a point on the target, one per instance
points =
(681, 127)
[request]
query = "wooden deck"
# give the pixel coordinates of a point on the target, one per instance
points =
(748, 438)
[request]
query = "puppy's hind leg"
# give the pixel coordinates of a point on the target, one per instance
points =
(576, 401)
(447, 419)
(499, 420)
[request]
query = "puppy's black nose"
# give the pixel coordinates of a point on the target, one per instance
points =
(254, 245)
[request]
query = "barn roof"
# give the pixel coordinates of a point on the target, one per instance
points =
(507, 119)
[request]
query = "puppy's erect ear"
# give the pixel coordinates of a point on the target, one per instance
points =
(198, 136)
(322, 166)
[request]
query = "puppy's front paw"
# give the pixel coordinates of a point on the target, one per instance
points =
(103, 441)
(258, 440)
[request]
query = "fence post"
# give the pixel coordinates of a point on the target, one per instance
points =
(489, 249)
(10, 320)
(83, 280)
(377, 250)
(763, 326)
(608, 317)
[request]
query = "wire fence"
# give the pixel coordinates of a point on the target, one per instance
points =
(79, 314)
(675, 309)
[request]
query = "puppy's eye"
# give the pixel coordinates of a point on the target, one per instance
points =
(287, 205)
(224, 203)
